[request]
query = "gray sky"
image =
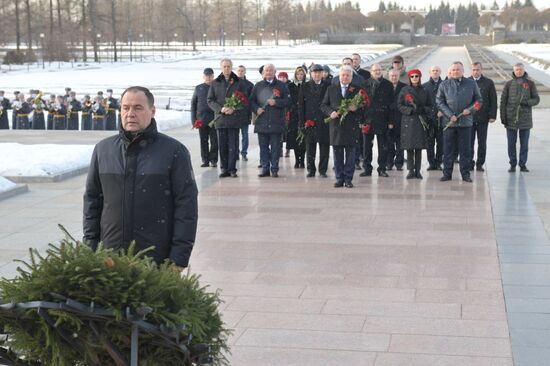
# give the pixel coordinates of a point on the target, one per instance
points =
(372, 5)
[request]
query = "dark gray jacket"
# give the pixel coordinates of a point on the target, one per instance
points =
(454, 96)
(489, 96)
(221, 89)
(144, 190)
(347, 132)
(199, 105)
(516, 103)
(273, 119)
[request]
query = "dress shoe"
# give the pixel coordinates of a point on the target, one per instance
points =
(302, 166)
(479, 168)
(399, 168)
(467, 179)
(310, 175)
(389, 168)
(338, 184)
(348, 184)
(445, 178)
(275, 175)
(244, 157)
(296, 165)
(224, 175)
(382, 173)
(358, 166)
(365, 174)
(214, 165)
(523, 169)
(512, 169)
(205, 165)
(411, 175)
(287, 153)
(264, 174)
(234, 175)
(323, 175)
(431, 167)
(418, 175)
(260, 166)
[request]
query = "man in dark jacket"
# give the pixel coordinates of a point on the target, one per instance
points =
(270, 98)
(343, 134)
(200, 111)
(228, 120)
(309, 101)
(457, 98)
(4, 106)
(381, 92)
(518, 98)
(395, 152)
(111, 108)
(435, 137)
(357, 79)
(73, 107)
(356, 64)
(487, 114)
(241, 73)
(141, 187)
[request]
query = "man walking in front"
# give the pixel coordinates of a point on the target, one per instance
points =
(201, 116)
(457, 98)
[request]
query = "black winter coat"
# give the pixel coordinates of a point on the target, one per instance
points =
(293, 121)
(221, 89)
(454, 96)
(142, 190)
(517, 100)
(413, 134)
(432, 87)
(347, 132)
(199, 105)
(395, 113)
(489, 96)
(381, 93)
(273, 119)
(4, 125)
(248, 87)
(309, 108)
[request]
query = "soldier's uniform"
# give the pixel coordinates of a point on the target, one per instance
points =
(15, 103)
(86, 113)
(60, 115)
(22, 114)
(4, 106)
(51, 112)
(98, 109)
(73, 107)
(38, 106)
(111, 108)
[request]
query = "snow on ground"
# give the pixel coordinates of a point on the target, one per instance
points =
(537, 55)
(175, 78)
(42, 160)
(5, 184)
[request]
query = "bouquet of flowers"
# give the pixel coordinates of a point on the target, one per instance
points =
(477, 107)
(197, 124)
(236, 101)
(301, 135)
(409, 98)
(360, 100)
(525, 90)
(365, 129)
(276, 93)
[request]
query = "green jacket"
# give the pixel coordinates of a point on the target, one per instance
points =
(517, 100)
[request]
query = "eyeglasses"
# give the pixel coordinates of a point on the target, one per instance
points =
(397, 62)
(415, 76)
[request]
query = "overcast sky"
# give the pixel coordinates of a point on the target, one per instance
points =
(372, 5)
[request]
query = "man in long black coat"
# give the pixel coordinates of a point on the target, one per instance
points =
(200, 111)
(228, 121)
(487, 114)
(4, 106)
(396, 156)
(270, 98)
(343, 134)
(381, 92)
(309, 101)
(241, 73)
(435, 138)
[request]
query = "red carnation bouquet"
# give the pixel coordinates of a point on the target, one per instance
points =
(276, 93)
(477, 107)
(236, 101)
(525, 89)
(198, 124)
(301, 135)
(360, 100)
(365, 129)
(409, 99)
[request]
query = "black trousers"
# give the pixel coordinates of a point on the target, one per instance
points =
(396, 155)
(414, 159)
(324, 150)
(381, 142)
(228, 140)
(435, 148)
(479, 130)
(209, 144)
(457, 137)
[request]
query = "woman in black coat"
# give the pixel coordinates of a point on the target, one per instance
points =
(414, 102)
(292, 142)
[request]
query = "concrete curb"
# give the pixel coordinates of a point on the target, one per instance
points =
(18, 189)
(50, 178)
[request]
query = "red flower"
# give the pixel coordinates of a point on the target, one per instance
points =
(242, 97)
(526, 85)
(276, 92)
(365, 97)
(409, 98)
(309, 123)
(477, 106)
(365, 129)
(109, 262)
(197, 124)
(287, 116)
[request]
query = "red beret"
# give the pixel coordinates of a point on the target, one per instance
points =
(414, 72)
(282, 74)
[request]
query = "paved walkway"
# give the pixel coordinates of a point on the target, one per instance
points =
(392, 272)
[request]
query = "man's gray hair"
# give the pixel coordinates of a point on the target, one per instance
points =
(393, 71)
(346, 69)
(519, 64)
(458, 63)
(226, 60)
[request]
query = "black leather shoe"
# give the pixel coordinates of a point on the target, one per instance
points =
(480, 168)
(431, 167)
(358, 166)
(389, 168)
(338, 184)
(244, 157)
(260, 166)
(512, 169)
(348, 184)
(296, 165)
(382, 173)
(411, 175)
(445, 178)
(323, 175)
(275, 175)
(365, 174)
(224, 175)
(399, 168)
(418, 175)
(467, 179)
(264, 174)
(523, 169)
(234, 175)
(310, 175)
(213, 165)
(205, 165)
(302, 166)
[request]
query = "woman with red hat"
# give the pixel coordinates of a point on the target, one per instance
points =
(415, 104)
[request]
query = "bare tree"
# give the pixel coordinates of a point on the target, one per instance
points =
(29, 27)
(113, 27)
(83, 31)
(17, 26)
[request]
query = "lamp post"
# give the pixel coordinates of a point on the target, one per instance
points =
(141, 46)
(43, 49)
(261, 35)
(175, 45)
(98, 47)
(242, 38)
(204, 39)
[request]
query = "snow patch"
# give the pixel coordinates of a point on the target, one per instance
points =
(5, 184)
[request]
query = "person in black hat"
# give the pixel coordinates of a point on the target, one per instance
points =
(327, 75)
(201, 116)
(399, 64)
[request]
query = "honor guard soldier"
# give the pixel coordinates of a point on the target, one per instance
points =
(60, 114)
(111, 107)
(38, 106)
(15, 103)
(22, 113)
(86, 113)
(98, 121)
(73, 107)
(51, 111)
(4, 106)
